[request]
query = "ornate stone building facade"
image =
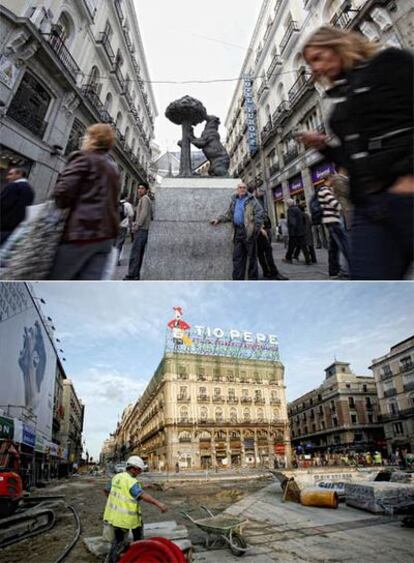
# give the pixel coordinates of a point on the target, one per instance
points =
(394, 376)
(340, 415)
(63, 66)
(209, 411)
(276, 95)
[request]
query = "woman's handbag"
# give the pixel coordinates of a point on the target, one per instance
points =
(30, 251)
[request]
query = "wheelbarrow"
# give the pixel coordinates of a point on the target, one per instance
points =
(219, 528)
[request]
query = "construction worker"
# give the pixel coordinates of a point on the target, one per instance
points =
(377, 458)
(123, 510)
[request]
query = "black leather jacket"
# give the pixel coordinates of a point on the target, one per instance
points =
(373, 120)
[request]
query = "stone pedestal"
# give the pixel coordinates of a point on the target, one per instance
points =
(182, 245)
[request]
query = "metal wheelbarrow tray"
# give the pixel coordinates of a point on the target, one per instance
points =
(221, 528)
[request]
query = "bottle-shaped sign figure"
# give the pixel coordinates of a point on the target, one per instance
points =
(179, 328)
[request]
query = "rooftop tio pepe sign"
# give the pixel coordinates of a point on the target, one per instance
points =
(209, 341)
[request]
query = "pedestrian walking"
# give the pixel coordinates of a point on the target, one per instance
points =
(297, 232)
(309, 242)
(264, 245)
(123, 510)
(140, 228)
(246, 214)
(372, 91)
(126, 215)
(88, 186)
(338, 238)
(339, 184)
(15, 197)
(283, 230)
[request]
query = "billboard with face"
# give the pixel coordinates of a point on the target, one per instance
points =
(28, 359)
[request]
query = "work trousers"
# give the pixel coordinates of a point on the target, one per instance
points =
(120, 542)
(244, 255)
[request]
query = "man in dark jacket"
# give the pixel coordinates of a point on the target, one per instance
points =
(297, 232)
(15, 197)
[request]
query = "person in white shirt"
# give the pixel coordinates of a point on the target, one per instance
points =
(126, 216)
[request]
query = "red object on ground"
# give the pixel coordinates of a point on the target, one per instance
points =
(154, 550)
(10, 485)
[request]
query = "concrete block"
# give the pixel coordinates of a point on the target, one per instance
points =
(402, 477)
(182, 245)
(371, 496)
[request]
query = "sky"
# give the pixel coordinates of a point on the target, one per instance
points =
(113, 334)
(193, 40)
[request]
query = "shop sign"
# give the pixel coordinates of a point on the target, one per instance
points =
(278, 193)
(6, 428)
(29, 436)
(296, 184)
(280, 449)
(322, 170)
(250, 109)
(40, 444)
(8, 71)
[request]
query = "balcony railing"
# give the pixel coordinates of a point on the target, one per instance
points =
(183, 399)
(302, 85)
(409, 386)
(90, 5)
(281, 113)
(121, 81)
(246, 400)
(267, 131)
(184, 440)
(104, 40)
(232, 400)
(259, 401)
(274, 67)
(390, 392)
(343, 18)
(63, 54)
(264, 87)
(203, 399)
(89, 92)
(407, 366)
(275, 401)
(292, 28)
(290, 155)
(119, 11)
(218, 399)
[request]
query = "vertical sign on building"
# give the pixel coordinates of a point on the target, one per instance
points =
(250, 109)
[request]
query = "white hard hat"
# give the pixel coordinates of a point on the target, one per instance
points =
(136, 461)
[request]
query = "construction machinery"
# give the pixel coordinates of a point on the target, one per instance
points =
(22, 516)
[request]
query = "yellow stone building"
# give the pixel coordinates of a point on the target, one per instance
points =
(205, 411)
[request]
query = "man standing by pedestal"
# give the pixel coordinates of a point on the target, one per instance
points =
(246, 214)
(140, 228)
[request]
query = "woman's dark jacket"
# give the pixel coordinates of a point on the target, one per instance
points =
(89, 185)
(373, 120)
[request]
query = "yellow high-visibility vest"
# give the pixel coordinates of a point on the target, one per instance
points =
(122, 510)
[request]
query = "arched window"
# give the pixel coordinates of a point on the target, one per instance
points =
(127, 131)
(64, 30)
(184, 437)
(108, 102)
(119, 119)
(260, 415)
(246, 414)
(219, 415)
(183, 414)
(233, 415)
(94, 78)
(203, 413)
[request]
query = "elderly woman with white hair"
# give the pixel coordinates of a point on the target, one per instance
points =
(372, 92)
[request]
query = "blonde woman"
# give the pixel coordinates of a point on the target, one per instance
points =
(372, 92)
(89, 186)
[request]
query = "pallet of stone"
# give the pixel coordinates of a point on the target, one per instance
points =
(373, 496)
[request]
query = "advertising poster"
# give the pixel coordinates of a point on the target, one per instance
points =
(27, 376)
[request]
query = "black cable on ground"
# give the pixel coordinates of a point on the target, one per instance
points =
(72, 544)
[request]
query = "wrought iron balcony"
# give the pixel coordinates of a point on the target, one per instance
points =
(89, 92)
(259, 401)
(344, 17)
(292, 28)
(218, 399)
(104, 40)
(90, 6)
(184, 440)
(281, 113)
(302, 85)
(121, 81)
(203, 398)
(267, 131)
(264, 87)
(246, 400)
(274, 68)
(118, 9)
(275, 402)
(62, 53)
(233, 400)
(290, 155)
(407, 366)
